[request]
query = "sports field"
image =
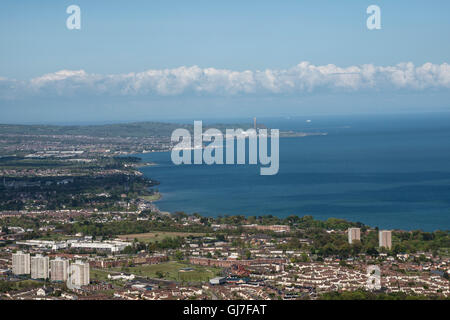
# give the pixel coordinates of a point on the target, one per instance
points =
(172, 270)
(158, 235)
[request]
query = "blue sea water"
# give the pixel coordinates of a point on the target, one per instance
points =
(390, 171)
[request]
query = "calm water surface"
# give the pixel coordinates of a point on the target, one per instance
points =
(386, 171)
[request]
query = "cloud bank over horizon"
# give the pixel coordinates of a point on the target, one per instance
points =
(304, 78)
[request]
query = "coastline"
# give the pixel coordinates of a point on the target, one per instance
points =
(321, 217)
(372, 181)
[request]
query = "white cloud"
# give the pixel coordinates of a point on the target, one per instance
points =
(304, 77)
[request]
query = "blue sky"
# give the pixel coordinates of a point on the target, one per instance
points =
(122, 37)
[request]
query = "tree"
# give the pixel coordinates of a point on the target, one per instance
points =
(128, 250)
(179, 255)
(372, 251)
(305, 257)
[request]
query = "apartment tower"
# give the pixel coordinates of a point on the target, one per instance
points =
(354, 234)
(59, 269)
(39, 267)
(79, 273)
(385, 238)
(20, 263)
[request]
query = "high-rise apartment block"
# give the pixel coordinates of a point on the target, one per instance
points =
(385, 238)
(79, 273)
(59, 269)
(354, 234)
(39, 267)
(21, 263)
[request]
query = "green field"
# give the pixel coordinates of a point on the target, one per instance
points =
(56, 237)
(158, 235)
(171, 271)
(96, 274)
(153, 197)
(6, 286)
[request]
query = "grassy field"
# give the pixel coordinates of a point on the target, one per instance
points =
(153, 197)
(96, 274)
(56, 237)
(158, 235)
(6, 286)
(171, 271)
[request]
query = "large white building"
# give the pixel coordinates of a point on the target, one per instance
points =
(59, 269)
(54, 245)
(21, 263)
(354, 234)
(79, 273)
(385, 238)
(39, 267)
(112, 246)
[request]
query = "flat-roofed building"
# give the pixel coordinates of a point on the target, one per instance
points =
(39, 267)
(112, 246)
(44, 244)
(354, 234)
(217, 280)
(21, 263)
(385, 238)
(59, 269)
(275, 228)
